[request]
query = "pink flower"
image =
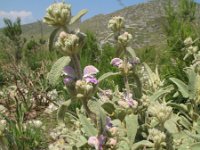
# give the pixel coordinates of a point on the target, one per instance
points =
(116, 62)
(97, 142)
(88, 74)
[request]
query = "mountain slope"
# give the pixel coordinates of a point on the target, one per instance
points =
(146, 20)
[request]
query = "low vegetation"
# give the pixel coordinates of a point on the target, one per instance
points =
(73, 93)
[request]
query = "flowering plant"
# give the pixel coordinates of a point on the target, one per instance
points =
(138, 115)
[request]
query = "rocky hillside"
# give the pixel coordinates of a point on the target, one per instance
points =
(146, 20)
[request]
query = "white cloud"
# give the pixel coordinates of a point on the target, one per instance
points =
(15, 14)
(26, 16)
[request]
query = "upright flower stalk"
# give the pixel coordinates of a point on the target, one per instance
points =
(116, 24)
(80, 85)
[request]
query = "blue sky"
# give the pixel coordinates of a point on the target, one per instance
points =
(33, 10)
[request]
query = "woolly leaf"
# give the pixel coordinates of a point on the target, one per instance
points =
(87, 126)
(170, 125)
(138, 89)
(150, 73)
(193, 82)
(142, 144)
(185, 122)
(195, 146)
(78, 16)
(106, 75)
(160, 93)
(194, 136)
(180, 107)
(123, 145)
(56, 70)
(182, 87)
(81, 141)
(131, 126)
(62, 110)
(108, 107)
(100, 113)
(131, 52)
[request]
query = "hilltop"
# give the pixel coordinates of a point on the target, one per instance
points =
(146, 20)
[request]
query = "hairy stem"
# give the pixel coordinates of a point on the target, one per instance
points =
(126, 75)
(77, 65)
(90, 114)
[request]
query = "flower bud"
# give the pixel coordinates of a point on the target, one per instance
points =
(116, 23)
(116, 62)
(113, 131)
(156, 136)
(160, 111)
(195, 49)
(145, 100)
(123, 104)
(124, 39)
(112, 142)
(188, 41)
(69, 43)
(58, 14)
(83, 88)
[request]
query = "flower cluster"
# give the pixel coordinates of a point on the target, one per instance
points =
(145, 101)
(116, 24)
(58, 14)
(105, 95)
(85, 86)
(124, 39)
(126, 101)
(161, 111)
(190, 48)
(69, 43)
(100, 141)
(157, 137)
(97, 142)
(125, 67)
(53, 95)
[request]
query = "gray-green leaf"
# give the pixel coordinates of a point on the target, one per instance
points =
(62, 110)
(195, 146)
(131, 126)
(106, 75)
(78, 16)
(160, 92)
(89, 129)
(182, 87)
(108, 107)
(56, 70)
(141, 144)
(131, 52)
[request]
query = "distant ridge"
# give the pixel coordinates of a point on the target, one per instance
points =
(145, 18)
